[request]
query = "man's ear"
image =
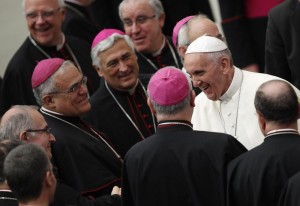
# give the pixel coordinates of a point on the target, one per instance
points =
(48, 100)
(161, 20)
(192, 99)
(23, 136)
(225, 63)
(151, 106)
(261, 122)
(49, 179)
(181, 50)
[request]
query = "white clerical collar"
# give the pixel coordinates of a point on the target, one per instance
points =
(282, 131)
(75, 2)
(59, 46)
(50, 111)
(234, 86)
(161, 48)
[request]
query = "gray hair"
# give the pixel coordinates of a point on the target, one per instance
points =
(156, 5)
(11, 127)
(106, 44)
(215, 56)
(61, 4)
(183, 38)
(173, 109)
(49, 85)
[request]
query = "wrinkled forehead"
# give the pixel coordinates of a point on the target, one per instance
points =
(133, 10)
(40, 4)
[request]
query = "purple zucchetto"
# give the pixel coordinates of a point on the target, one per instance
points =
(177, 28)
(44, 69)
(168, 86)
(104, 34)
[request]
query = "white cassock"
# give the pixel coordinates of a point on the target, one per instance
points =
(234, 113)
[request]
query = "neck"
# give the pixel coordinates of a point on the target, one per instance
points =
(272, 126)
(4, 186)
(184, 116)
(159, 46)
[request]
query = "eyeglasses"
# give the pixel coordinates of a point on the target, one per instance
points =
(75, 87)
(46, 129)
(139, 20)
(46, 15)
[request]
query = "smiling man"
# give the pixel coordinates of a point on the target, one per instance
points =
(119, 106)
(84, 158)
(44, 20)
(226, 103)
(143, 21)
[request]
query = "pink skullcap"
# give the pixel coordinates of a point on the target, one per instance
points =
(177, 28)
(168, 86)
(104, 34)
(44, 69)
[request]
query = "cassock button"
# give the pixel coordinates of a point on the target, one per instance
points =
(139, 105)
(145, 116)
(233, 125)
(149, 126)
(229, 114)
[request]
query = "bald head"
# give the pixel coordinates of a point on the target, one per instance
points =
(16, 120)
(277, 102)
(200, 25)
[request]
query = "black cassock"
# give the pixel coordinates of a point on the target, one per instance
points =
(168, 57)
(257, 177)
(290, 193)
(107, 116)
(178, 166)
(84, 161)
(16, 85)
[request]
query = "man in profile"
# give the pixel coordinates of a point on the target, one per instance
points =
(29, 174)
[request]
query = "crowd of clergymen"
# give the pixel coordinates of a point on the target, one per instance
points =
(145, 119)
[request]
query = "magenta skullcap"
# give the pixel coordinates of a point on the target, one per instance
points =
(44, 69)
(177, 28)
(168, 86)
(104, 34)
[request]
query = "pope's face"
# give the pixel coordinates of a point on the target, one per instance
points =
(44, 19)
(206, 75)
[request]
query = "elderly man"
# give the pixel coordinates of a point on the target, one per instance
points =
(29, 174)
(258, 176)
(25, 123)
(63, 95)
(143, 21)
(119, 107)
(226, 102)
(190, 162)
(190, 28)
(44, 19)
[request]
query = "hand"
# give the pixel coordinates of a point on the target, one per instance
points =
(116, 191)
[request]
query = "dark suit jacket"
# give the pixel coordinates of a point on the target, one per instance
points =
(257, 177)
(283, 42)
(290, 193)
(178, 166)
